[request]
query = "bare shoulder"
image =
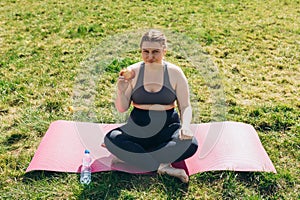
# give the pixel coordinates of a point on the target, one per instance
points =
(174, 69)
(135, 66)
(176, 74)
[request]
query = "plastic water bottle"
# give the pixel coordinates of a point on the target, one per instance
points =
(86, 172)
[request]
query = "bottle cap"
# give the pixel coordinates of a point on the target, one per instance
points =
(86, 151)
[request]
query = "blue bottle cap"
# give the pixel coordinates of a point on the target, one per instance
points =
(86, 151)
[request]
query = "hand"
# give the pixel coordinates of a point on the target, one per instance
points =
(122, 84)
(185, 134)
(127, 73)
(125, 76)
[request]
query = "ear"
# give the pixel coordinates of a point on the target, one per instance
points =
(164, 51)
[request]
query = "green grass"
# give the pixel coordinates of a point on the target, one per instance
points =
(253, 76)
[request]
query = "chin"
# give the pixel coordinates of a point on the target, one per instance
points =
(153, 63)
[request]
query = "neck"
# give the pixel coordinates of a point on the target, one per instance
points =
(154, 66)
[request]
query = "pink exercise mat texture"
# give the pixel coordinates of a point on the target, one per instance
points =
(222, 146)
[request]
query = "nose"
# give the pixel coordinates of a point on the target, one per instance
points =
(150, 55)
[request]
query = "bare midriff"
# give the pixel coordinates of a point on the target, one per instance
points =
(156, 107)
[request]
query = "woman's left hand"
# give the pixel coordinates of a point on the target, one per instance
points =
(186, 134)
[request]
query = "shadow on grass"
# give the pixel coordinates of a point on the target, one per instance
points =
(120, 185)
(32, 176)
(115, 185)
(233, 184)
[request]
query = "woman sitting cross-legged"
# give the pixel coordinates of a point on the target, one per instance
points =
(155, 135)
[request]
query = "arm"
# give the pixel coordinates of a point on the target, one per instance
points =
(184, 105)
(124, 89)
(122, 101)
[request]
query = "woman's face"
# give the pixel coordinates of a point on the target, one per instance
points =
(153, 52)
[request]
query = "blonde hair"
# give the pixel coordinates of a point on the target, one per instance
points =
(154, 36)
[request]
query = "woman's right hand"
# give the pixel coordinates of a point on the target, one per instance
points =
(123, 100)
(125, 76)
(122, 84)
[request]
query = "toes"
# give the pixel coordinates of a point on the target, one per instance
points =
(178, 173)
(184, 178)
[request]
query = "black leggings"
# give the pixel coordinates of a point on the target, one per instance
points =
(150, 138)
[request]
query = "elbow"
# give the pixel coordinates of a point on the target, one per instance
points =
(122, 106)
(122, 110)
(184, 107)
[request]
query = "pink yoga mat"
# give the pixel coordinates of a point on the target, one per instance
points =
(222, 146)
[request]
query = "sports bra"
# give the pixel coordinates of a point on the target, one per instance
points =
(165, 96)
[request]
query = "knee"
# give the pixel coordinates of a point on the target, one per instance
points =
(112, 136)
(194, 141)
(194, 145)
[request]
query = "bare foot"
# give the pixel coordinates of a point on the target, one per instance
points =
(168, 169)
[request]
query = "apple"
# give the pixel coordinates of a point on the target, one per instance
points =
(127, 73)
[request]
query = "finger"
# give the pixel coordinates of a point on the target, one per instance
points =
(183, 138)
(180, 134)
(122, 78)
(185, 135)
(188, 137)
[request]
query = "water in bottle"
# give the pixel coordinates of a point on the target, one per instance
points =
(85, 176)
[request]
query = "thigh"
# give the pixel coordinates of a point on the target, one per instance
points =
(123, 140)
(175, 150)
(117, 140)
(167, 134)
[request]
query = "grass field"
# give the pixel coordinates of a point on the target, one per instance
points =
(47, 48)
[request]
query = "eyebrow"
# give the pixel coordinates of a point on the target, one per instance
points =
(151, 50)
